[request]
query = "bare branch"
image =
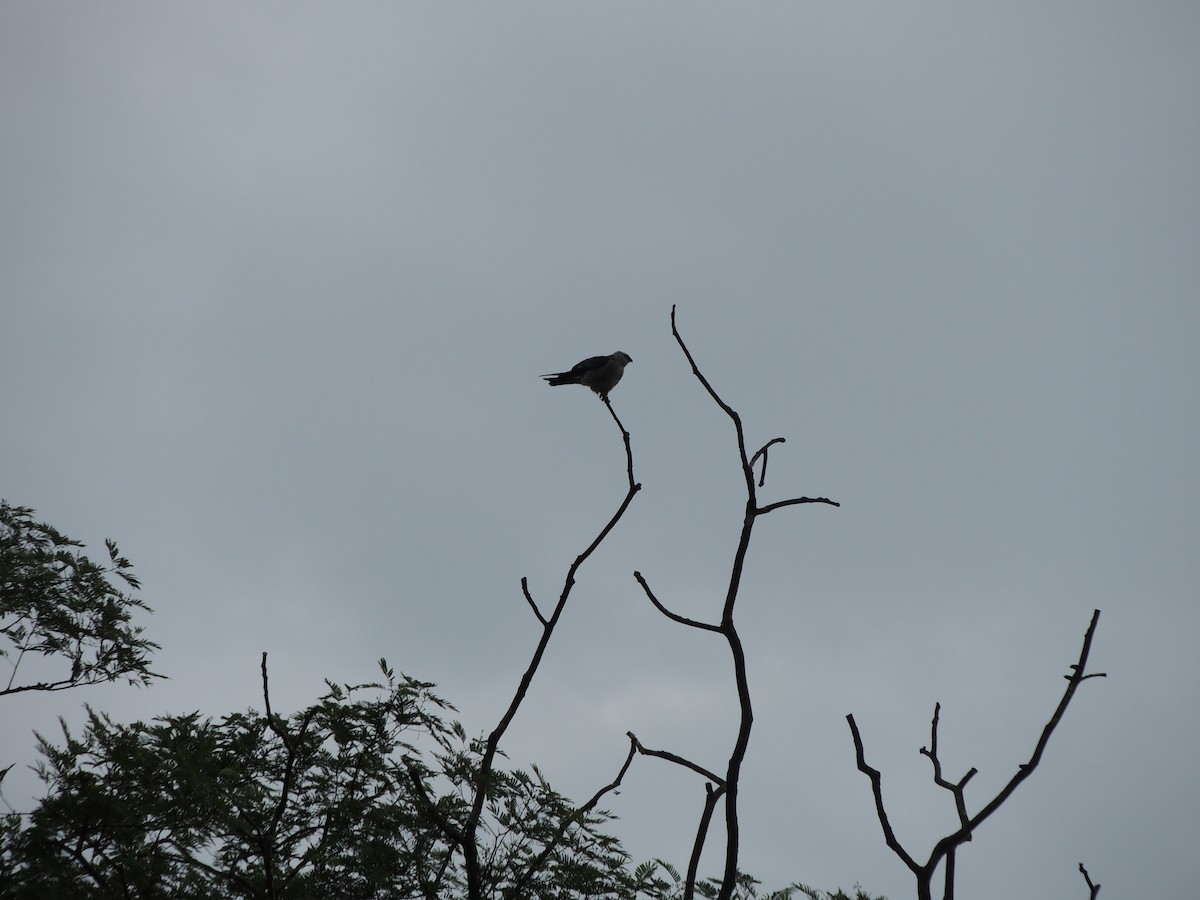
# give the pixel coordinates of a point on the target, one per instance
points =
(763, 510)
(292, 745)
(682, 620)
(678, 760)
(1076, 677)
(960, 803)
(470, 829)
(889, 835)
(945, 848)
(762, 451)
(537, 612)
(737, 421)
(711, 797)
(625, 438)
(727, 628)
(1094, 888)
(266, 691)
(518, 887)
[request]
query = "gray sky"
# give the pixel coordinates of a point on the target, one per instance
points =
(277, 281)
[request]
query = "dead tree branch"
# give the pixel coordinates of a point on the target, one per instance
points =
(728, 786)
(468, 834)
(269, 840)
(532, 603)
(675, 617)
(518, 888)
(955, 788)
(714, 789)
(675, 758)
(1093, 887)
(945, 848)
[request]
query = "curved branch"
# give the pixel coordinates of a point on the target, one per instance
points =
(678, 760)
(525, 590)
(876, 777)
(682, 620)
(762, 451)
(737, 420)
(518, 887)
(763, 510)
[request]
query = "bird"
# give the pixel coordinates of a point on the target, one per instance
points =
(600, 373)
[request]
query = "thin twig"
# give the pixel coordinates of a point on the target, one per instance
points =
(1094, 888)
(762, 451)
(525, 590)
(763, 510)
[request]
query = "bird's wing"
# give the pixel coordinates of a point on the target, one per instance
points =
(581, 368)
(587, 365)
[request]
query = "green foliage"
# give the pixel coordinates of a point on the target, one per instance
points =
(57, 603)
(351, 797)
(365, 794)
(652, 884)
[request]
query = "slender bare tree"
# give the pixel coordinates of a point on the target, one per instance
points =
(466, 836)
(726, 788)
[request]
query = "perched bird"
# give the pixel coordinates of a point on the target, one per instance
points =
(600, 373)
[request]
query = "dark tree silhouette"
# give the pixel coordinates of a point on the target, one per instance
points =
(1093, 888)
(466, 837)
(944, 849)
(726, 788)
(57, 604)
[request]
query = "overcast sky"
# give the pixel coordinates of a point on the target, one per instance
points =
(277, 281)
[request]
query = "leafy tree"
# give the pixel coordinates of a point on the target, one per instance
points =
(347, 798)
(57, 603)
(351, 797)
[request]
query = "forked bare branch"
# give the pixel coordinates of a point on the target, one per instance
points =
(943, 850)
(728, 786)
